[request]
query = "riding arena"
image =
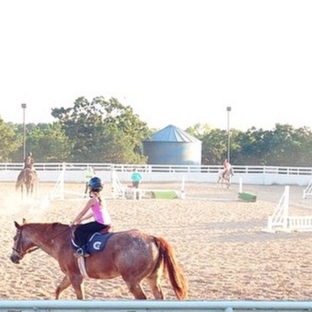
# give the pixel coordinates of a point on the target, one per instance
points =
(218, 239)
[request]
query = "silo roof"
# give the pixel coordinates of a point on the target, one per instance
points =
(173, 134)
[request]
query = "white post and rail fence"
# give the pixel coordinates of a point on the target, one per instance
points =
(75, 172)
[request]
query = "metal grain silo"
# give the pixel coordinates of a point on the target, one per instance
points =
(172, 146)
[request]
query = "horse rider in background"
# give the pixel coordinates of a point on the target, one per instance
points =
(227, 168)
(29, 162)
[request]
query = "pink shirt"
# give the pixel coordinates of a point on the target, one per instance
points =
(226, 165)
(101, 214)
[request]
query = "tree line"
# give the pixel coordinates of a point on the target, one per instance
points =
(108, 131)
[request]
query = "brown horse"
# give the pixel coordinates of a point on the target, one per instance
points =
(224, 178)
(29, 178)
(132, 254)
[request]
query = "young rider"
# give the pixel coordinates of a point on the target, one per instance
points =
(29, 161)
(226, 166)
(96, 208)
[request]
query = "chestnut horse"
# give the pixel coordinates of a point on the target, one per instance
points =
(132, 254)
(29, 178)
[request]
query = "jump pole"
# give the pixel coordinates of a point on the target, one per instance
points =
(182, 194)
(247, 197)
(240, 189)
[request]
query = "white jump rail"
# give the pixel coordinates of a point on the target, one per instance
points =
(121, 191)
(308, 190)
(281, 221)
(153, 306)
(118, 189)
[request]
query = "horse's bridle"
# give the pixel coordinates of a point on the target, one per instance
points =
(20, 253)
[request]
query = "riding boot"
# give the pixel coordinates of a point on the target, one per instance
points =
(85, 252)
(81, 252)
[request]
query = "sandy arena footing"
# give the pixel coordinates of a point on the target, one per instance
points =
(218, 239)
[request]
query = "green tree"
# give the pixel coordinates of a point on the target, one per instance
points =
(253, 147)
(214, 147)
(102, 131)
(49, 143)
(290, 146)
(10, 140)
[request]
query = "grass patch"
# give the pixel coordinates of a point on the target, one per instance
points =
(164, 194)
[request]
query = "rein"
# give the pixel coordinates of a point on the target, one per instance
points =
(28, 251)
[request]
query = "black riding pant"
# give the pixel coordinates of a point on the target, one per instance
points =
(84, 231)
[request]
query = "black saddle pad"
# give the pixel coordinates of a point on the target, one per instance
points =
(97, 242)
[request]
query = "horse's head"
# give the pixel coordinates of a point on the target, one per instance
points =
(22, 244)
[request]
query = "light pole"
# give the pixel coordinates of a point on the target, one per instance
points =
(228, 109)
(24, 130)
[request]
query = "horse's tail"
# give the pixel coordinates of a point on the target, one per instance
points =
(172, 269)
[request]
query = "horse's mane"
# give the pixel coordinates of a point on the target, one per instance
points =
(45, 223)
(54, 226)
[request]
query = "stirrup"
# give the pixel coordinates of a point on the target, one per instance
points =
(78, 253)
(81, 253)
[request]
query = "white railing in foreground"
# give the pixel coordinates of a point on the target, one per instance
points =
(153, 306)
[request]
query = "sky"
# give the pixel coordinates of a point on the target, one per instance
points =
(175, 62)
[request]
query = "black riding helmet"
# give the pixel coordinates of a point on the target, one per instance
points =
(95, 184)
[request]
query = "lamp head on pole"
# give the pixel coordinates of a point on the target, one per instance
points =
(228, 109)
(23, 105)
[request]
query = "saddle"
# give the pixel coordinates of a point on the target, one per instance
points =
(227, 172)
(96, 242)
(31, 169)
